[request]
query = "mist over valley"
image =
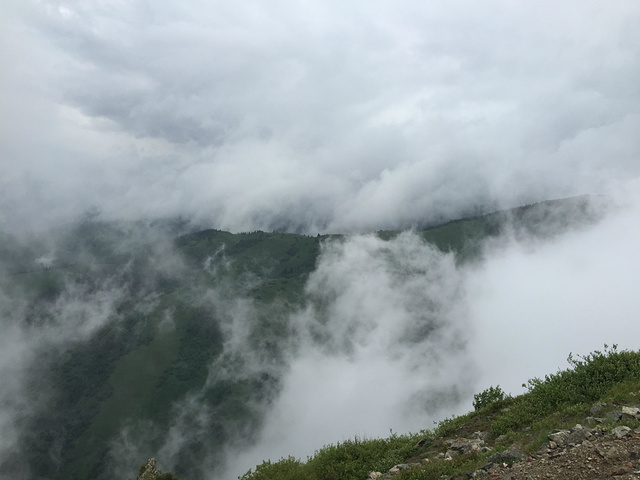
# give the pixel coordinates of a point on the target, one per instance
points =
(232, 232)
(215, 351)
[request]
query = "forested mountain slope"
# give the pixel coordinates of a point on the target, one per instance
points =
(133, 336)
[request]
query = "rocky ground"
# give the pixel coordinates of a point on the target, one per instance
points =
(601, 457)
(581, 453)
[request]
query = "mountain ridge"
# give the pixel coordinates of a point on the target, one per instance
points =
(142, 322)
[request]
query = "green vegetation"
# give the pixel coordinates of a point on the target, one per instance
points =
(558, 401)
(487, 397)
(170, 303)
(590, 378)
(350, 459)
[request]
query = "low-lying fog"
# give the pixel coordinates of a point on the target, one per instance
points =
(335, 117)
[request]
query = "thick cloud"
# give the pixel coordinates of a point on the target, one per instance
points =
(343, 117)
(380, 346)
(314, 116)
(531, 305)
(399, 336)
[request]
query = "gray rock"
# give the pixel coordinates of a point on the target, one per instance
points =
(508, 456)
(597, 408)
(630, 412)
(620, 432)
(484, 436)
(579, 434)
(401, 466)
(614, 415)
(451, 453)
(593, 421)
(149, 470)
(463, 445)
(486, 466)
(560, 437)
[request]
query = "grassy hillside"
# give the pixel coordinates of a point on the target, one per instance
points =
(560, 400)
(141, 320)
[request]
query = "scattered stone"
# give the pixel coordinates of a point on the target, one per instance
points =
(595, 458)
(631, 412)
(614, 415)
(620, 432)
(508, 456)
(149, 470)
(623, 470)
(560, 437)
(374, 475)
(401, 466)
(593, 421)
(578, 435)
(450, 454)
(557, 453)
(463, 446)
(597, 408)
(484, 436)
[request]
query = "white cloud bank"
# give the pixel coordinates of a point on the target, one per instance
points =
(322, 116)
(347, 117)
(515, 316)
(531, 307)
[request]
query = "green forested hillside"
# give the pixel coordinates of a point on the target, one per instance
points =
(133, 325)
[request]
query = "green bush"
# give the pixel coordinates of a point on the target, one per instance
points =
(590, 377)
(488, 397)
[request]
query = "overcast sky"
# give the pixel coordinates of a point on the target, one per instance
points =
(312, 116)
(332, 116)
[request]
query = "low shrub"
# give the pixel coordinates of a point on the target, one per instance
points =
(489, 396)
(590, 377)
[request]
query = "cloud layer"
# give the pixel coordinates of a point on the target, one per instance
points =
(314, 116)
(340, 117)
(404, 337)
